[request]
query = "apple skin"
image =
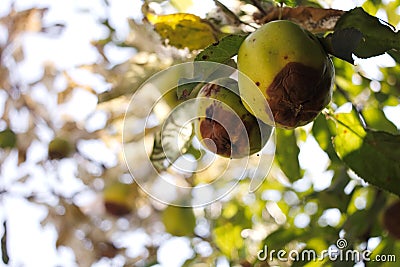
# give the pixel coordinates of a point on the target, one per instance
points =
(224, 126)
(292, 70)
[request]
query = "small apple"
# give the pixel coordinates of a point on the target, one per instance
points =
(119, 198)
(8, 139)
(224, 126)
(179, 221)
(59, 148)
(391, 219)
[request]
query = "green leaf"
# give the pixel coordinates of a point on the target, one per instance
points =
(287, 153)
(228, 239)
(381, 97)
(372, 155)
(378, 37)
(349, 133)
(395, 54)
(340, 181)
(234, 213)
(228, 228)
(330, 199)
(322, 133)
(223, 50)
(344, 42)
(183, 30)
(196, 153)
(342, 263)
(376, 119)
(278, 239)
(179, 221)
(188, 86)
(366, 193)
(220, 52)
(357, 224)
(389, 248)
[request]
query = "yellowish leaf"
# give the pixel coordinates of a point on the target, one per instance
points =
(228, 239)
(183, 30)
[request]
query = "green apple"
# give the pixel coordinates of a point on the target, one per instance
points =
(290, 68)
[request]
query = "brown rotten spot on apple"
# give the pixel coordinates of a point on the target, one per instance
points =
(298, 93)
(224, 126)
(224, 131)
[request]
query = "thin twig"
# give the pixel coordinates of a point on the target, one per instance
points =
(347, 97)
(258, 5)
(232, 15)
(4, 240)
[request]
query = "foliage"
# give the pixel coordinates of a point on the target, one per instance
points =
(297, 207)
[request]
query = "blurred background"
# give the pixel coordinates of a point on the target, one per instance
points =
(68, 70)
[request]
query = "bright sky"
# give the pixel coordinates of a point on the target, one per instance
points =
(29, 243)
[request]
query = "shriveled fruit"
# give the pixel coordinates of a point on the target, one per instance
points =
(8, 138)
(224, 125)
(292, 70)
(179, 221)
(119, 198)
(391, 219)
(59, 148)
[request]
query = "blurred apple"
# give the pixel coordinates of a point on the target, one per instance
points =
(391, 219)
(8, 139)
(59, 148)
(179, 221)
(119, 198)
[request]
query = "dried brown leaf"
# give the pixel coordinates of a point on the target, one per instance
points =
(18, 53)
(65, 95)
(106, 249)
(73, 227)
(24, 21)
(312, 19)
